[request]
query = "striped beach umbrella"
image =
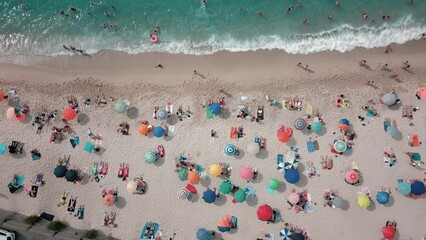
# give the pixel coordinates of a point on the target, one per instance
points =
(285, 234)
(291, 164)
(182, 193)
(352, 176)
(299, 124)
(230, 149)
(162, 114)
(340, 146)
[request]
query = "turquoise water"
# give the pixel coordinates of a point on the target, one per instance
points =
(188, 26)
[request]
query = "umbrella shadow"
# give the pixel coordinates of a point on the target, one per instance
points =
(159, 162)
(83, 119)
(220, 201)
(13, 103)
(252, 201)
(241, 155)
(195, 197)
(292, 142)
(398, 136)
(372, 206)
(168, 138)
(19, 156)
(205, 182)
(132, 113)
(391, 201)
(347, 153)
(346, 205)
(395, 107)
(324, 130)
(281, 188)
(121, 202)
(28, 118)
(3, 196)
(263, 154)
(101, 151)
(259, 178)
(225, 114)
(172, 119)
(303, 181)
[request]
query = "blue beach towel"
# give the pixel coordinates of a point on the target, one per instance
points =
(310, 146)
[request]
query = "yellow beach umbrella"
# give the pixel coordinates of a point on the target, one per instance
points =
(132, 186)
(215, 170)
(363, 201)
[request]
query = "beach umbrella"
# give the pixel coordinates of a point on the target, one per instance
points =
(291, 164)
(121, 106)
(286, 234)
(340, 146)
(182, 174)
(293, 197)
(223, 225)
(191, 188)
(162, 114)
(240, 195)
(1, 95)
(10, 113)
(19, 117)
(109, 200)
(393, 131)
(344, 121)
(71, 175)
(388, 232)
(382, 197)
(422, 93)
(150, 157)
(316, 127)
(230, 149)
(60, 171)
(253, 148)
(264, 212)
(246, 173)
(363, 201)
(338, 202)
(417, 188)
(274, 184)
(183, 193)
(3, 148)
(404, 187)
(159, 131)
(352, 176)
(203, 234)
(297, 236)
(215, 170)
(132, 186)
(215, 108)
(389, 99)
(225, 187)
(250, 191)
(292, 176)
(299, 124)
(209, 196)
(143, 129)
(193, 177)
(283, 136)
(69, 114)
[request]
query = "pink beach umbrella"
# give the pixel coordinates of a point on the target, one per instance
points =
(246, 173)
(293, 197)
(352, 176)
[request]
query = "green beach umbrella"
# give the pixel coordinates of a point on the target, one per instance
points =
(274, 184)
(182, 174)
(121, 106)
(225, 187)
(340, 146)
(240, 195)
(150, 157)
(316, 127)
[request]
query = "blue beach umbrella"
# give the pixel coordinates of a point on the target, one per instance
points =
(292, 163)
(230, 149)
(418, 188)
(203, 234)
(159, 131)
(215, 108)
(209, 196)
(382, 197)
(162, 114)
(286, 234)
(344, 121)
(292, 176)
(404, 188)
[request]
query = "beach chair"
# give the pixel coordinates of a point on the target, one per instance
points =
(16, 147)
(16, 183)
(160, 151)
(280, 163)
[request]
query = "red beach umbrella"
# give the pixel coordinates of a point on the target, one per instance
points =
(352, 176)
(388, 232)
(264, 212)
(246, 173)
(69, 114)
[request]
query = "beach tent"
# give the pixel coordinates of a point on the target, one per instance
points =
(246, 173)
(293, 198)
(316, 127)
(109, 200)
(150, 157)
(215, 170)
(121, 106)
(253, 148)
(338, 202)
(352, 176)
(183, 193)
(230, 150)
(292, 176)
(274, 184)
(162, 114)
(299, 124)
(69, 114)
(209, 196)
(382, 197)
(388, 232)
(340, 146)
(417, 188)
(226, 187)
(60, 171)
(363, 201)
(203, 234)
(182, 174)
(143, 129)
(132, 187)
(215, 108)
(264, 212)
(389, 99)
(159, 131)
(71, 175)
(224, 225)
(240, 195)
(403, 187)
(193, 177)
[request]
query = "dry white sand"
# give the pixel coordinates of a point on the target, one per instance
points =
(253, 74)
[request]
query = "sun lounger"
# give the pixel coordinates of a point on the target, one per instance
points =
(161, 152)
(152, 230)
(280, 163)
(16, 147)
(234, 133)
(208, 111)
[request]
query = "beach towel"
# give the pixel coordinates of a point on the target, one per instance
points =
(234, 222)
(309, 109)
(153, 229)
(415, 140)
(208, 111)
(47, 217)
(370, 113)
(3, 148)
(88, 147)
(280, 163)
(310, 146)
(233, 133)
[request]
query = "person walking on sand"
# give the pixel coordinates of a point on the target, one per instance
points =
(362, 62)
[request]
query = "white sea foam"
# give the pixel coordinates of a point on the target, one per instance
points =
(342, 39)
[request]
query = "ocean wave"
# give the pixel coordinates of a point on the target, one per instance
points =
(342, 39)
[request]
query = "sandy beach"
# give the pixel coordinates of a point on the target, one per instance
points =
(246, 78)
